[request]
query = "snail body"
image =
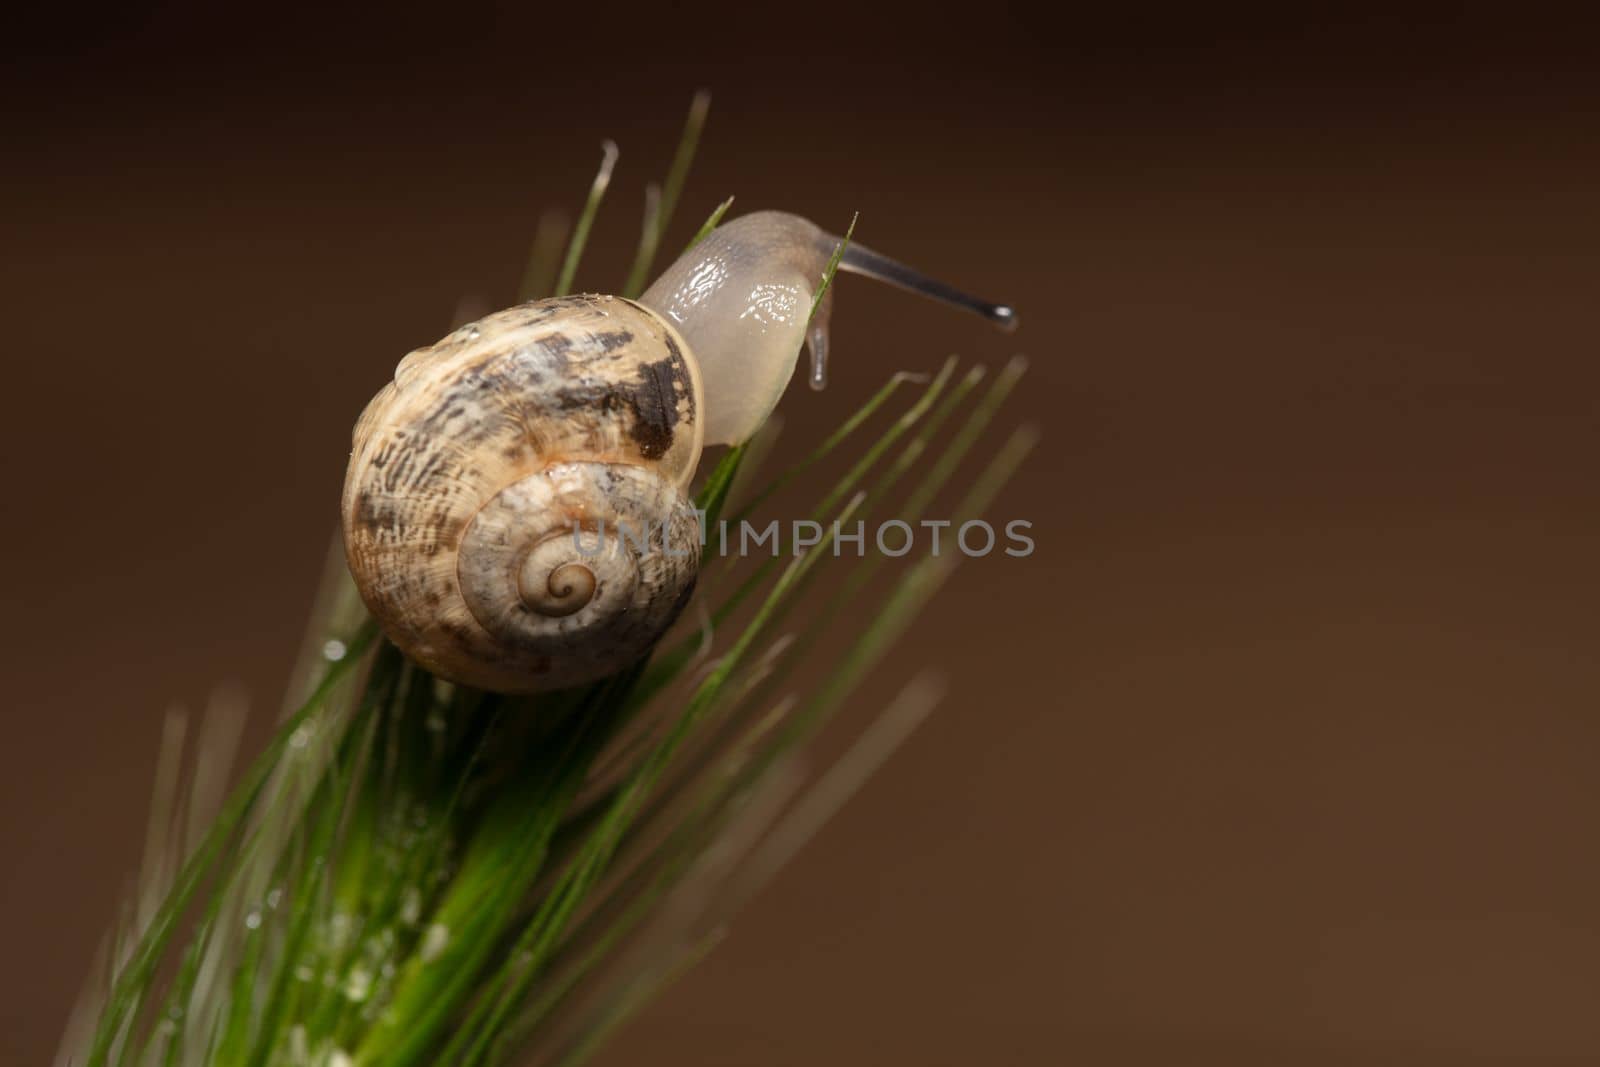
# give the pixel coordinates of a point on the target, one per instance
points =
(515, 511)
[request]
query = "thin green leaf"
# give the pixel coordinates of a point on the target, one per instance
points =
(711, 223)
(657, 221)
(591, 207)
(132, 983)
(832, 268)
(544, 258)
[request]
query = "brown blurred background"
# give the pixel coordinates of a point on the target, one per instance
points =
(1281, 749)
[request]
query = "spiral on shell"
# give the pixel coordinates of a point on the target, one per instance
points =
(514, 510)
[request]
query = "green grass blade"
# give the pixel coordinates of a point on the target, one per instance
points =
(657, 221)
(649, 239)
(912, 594)
(914, 507)
(640, 898)
(591, 207)
(544, 257)
(540, 936)
(711, 223)
(131, 984)
(667, 665)
(831, 442)
(832, 268)
(851, 479)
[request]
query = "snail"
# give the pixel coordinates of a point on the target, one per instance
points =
(515, 512)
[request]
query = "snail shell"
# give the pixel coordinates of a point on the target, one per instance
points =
(514, 511)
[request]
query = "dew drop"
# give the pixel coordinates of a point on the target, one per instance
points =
(411, 906)
(434, 942)
(340, 927)
(334, 651)
(358, 985)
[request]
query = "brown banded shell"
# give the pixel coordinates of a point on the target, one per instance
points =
(514, 510)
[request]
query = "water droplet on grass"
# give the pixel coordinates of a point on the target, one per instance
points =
(434, 942)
